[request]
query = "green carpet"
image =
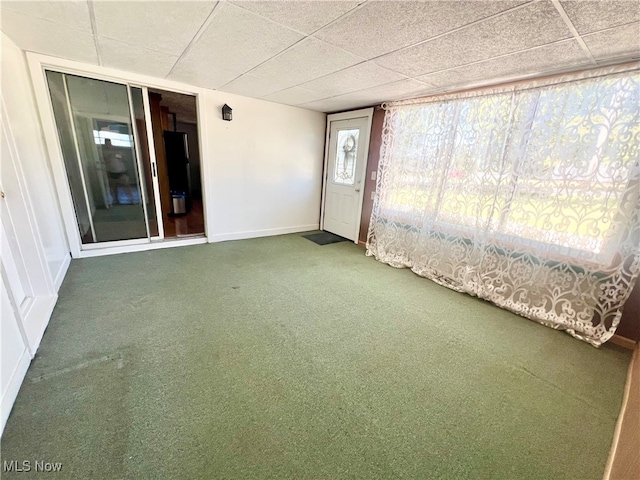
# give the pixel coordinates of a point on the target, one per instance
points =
(274, 358)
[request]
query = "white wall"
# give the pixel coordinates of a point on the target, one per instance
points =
(24, 124)
(263, 174)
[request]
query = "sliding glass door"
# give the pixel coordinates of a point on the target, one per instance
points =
(106, 156)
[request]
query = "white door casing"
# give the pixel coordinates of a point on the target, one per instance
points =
(346, 153)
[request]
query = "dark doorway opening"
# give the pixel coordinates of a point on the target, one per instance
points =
(175, 133)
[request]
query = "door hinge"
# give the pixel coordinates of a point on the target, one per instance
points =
(155, 173)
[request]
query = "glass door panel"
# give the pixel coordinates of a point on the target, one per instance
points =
(97, 119)
(59, 103)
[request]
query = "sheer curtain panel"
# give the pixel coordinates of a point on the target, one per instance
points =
(527, 196)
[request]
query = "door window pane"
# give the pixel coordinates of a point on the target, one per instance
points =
(346, 151)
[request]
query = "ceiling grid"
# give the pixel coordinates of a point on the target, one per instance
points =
(332, 55)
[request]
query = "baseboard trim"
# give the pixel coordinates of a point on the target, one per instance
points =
(362, 244)
(623, 342)
(62, 272)
(13, 387)
(143, 247)
(223, 237)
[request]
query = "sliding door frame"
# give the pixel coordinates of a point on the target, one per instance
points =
(139, 167)
(38, 65)
(154, 163)
(76, 149)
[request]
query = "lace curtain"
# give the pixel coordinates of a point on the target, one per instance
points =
(526, 196)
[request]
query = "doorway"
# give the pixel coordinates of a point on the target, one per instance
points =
(129, 175)
(345, 166)
(175, 135)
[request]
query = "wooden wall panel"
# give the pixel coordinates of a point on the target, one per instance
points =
(372, 166)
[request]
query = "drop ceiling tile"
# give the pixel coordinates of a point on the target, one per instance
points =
(331, 105)
(616, 43)
(162, 26)
(530, 26)
(73, 14)
(591, 16)
(535, 62)
(306, 60)
(403, 89)
(250, 86)
(295, 96)
(380, 27)
(135, 58)
(354, 78)
(393, 91)
(235, 41)
(42, 36)
(201, 74)
(304, 16)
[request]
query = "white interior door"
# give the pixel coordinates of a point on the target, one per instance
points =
(346, 165)
(22, 261)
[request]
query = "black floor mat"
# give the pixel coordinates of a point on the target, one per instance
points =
(325, 238)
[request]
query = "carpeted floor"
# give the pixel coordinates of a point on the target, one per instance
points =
(273, 358)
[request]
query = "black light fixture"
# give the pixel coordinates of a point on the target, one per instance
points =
(226, 112)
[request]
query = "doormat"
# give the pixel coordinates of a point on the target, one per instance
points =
(325, 238)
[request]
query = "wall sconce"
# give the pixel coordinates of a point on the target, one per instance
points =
(226, 112)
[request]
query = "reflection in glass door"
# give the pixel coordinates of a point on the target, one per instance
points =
(102, 158)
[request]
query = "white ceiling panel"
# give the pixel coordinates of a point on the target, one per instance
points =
(251, 86)
(559, 56)
(202, 74)
(374, 96)
(331, 55)
(394, 91)
(135, 58)
(351, 79)
(73, 14)
(622, 42)
(43, 36)
(380, 27)
(295, 96)
(593, 15)
(162, 26)
(530, 26)
(304, 16)
(235, 41)
(331, 105)
(312, 59)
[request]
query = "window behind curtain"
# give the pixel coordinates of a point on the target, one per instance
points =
(543, 165)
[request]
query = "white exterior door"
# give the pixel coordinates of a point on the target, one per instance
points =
(348, 148)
